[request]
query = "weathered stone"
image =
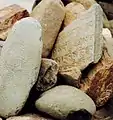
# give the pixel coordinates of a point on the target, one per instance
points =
(26, 4)
(61, 100)
(99, 81)
(108, 41)
(47, 75)
(50, 13)
(19, 65)
(72, 12)
(8, 16)
(80, 43)
(28, 117)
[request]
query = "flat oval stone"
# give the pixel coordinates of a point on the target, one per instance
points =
(19, 65)
(61, 100)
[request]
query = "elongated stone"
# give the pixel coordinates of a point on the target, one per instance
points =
(19, 65)
(8, 16)
(80, 43)
(50, 13)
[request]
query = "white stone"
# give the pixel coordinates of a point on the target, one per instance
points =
(61, 100)
(19, 65)
(106, 33)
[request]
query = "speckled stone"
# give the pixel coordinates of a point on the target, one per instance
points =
(61, 100)
(80, 44)
(19, 65)
(50, 13)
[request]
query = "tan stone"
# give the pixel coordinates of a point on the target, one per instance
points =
(50, 13)
(80, 43)
(47, 75)
(8, 16)
(99, 82)
(72, 12)
(28, 117)
(86, 3)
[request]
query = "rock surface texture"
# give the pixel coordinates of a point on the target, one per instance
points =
(19, 65)
(47, 75)
(8, 16)
(61, 100)
(99, 82)
(80, 43)
(50, 13)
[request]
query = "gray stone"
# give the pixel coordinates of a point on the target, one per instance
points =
(61, 100)
(29, 117)
(50, 13)
(80, 43)
(19, 65)
(47, 75)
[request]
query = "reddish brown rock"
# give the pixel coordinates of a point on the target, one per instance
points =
(8, 16)
(99, 82)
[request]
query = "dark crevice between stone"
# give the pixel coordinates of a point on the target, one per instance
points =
(67, 80)
(79, 115)
(86, 71)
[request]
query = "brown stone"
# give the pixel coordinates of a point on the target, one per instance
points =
(99, 81)
(50, 13)
(72, 12)
(8, 16)
(47, 75)
(29, 117)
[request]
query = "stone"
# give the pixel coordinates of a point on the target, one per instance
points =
(73, 10)
(1, 45)
(61, 100)
(108, 41)
(99, 81)
(50, 13)
(26, 4)
(106, 33)
(47, 75)
(86, 3)
(28, 117)
(19, 65)
(79, 44)
(8, 16)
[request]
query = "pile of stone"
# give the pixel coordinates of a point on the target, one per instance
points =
(56, 62)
